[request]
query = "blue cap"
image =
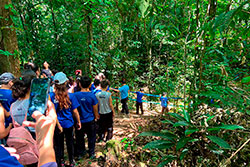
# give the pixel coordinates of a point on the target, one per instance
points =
(60, 78)
(6, 77)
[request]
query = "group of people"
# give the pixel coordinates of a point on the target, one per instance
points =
(79, 106)
(76, 107)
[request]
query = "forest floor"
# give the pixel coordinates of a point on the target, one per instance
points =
(126, 127)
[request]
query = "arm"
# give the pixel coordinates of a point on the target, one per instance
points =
(76, 115)
(3, 131)
(111, 106)
(45, 126)
(116, 90)
(95, 108)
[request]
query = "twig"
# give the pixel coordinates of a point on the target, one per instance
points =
(228, 160)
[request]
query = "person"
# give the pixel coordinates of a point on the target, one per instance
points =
(88, 112)
(124, 96)
(106, 110)
(44, 126)
(46, 73)
(139, 101)
(66, 107)
(97, 86)
(78, 77)
(71, 84)
(21, 92)
(33, 67)
(6, 100)
(164, 102)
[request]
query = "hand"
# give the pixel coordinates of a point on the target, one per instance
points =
(79, 125)
(12, 152)
(113, 114)
(60, 129)
(45, 127)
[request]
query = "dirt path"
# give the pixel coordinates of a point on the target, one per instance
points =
(125, 126)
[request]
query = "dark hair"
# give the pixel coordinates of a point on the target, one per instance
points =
(62, 96)
(54, 71)
(31, 66)
(97, 82)
(104, 83)
(85, 81)
(123, 81)
(71, 80)
(21, 85)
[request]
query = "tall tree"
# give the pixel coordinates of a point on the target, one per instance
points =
(8, 40)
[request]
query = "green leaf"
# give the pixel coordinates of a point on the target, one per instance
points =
(167, 159)
(211, 117)
(186, 115)
(5, 53)
(167, 121)
(246, 79)
(222, 143)
(163, 134)
(182, 142)
(183, 153)
(181, 123)
(190, 131)
(228, 127)
(159, 144)
(177, 116)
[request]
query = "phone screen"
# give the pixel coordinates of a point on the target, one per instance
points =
(38, 96)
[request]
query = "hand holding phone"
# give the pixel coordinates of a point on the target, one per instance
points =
(38, 97)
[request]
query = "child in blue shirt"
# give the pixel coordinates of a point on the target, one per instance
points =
(88, 111)
(6, 100)
(124, 96)
(164, 103)
(139, 101)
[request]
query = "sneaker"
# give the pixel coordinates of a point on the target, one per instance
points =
(72, 164)
(92, 156)
(62, 163)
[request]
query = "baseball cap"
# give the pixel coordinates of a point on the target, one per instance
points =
(60, 78)
(6, 77)
(77, 72)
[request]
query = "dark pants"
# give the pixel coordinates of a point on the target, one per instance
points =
(106, 125)
(89, 129)
(164, 109)
(139, 105)
(59, 144)
(124, 105)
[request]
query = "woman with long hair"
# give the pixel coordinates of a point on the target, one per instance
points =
(21, 92)
(66, 107)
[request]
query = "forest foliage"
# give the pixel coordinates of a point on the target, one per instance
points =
(198, 50)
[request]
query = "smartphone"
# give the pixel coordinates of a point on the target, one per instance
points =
(38, 96)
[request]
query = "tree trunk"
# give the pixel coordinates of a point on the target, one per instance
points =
(89, 22)
(8, 41)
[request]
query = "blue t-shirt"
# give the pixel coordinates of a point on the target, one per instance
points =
(92, 87)
(6, 100)
(6, 160)
(65, 116)
(96, 91)
(139, 97)
(124, 91)
(86, 100)
(164, 101)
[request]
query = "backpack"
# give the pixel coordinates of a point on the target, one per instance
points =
(21, 139)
